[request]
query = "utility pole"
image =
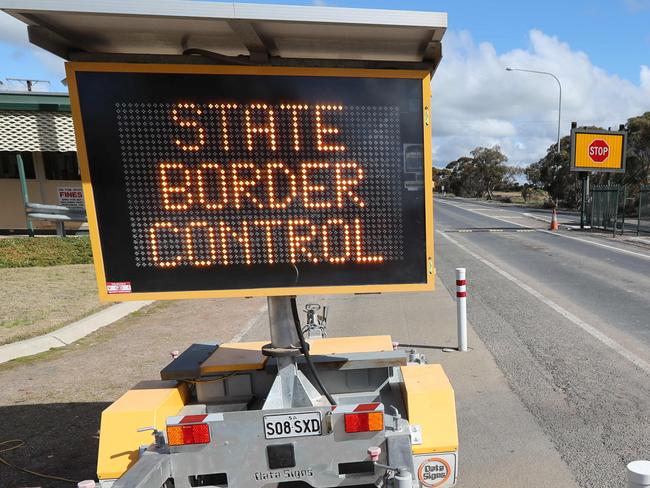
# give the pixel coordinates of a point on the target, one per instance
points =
(559, 105)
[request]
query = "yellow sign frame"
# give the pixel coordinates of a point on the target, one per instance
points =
(73, 67)
(580, 142)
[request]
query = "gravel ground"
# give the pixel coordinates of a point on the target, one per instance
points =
(34, 301)
(53, 401)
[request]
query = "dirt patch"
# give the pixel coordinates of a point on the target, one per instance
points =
(36, 300)
(535, 198)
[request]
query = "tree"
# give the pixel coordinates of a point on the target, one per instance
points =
(492, 171)
(552, 173)
(480, 174)
(463, 178)
(441, 178)
(637, 165)
(638, 150)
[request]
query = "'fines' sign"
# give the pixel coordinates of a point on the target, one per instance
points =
(70, 197)
(246, 183)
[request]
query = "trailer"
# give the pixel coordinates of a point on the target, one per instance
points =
(237, 150)
(234, 416)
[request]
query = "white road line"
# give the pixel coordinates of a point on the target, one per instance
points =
(481, 214)
(497, 216)
(637, 254)
(483, 209)
(249, 325)
(586, 241)
(589, 329)
(467, 231)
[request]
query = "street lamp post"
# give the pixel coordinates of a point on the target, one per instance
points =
(559, 104)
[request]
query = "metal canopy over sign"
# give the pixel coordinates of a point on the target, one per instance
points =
(77, 30)
(598, 150)
(237, 181)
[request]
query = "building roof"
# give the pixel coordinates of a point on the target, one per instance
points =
(75, 28)
(39, 101)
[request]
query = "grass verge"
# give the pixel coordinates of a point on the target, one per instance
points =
(23, 252)
(37, 300)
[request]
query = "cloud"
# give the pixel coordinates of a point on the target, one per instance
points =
(13, 34)
(477, 103)
(645, 78)
(12, 31)
(492, 127)
(637, 5)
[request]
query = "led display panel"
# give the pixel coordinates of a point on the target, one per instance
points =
(233, 181)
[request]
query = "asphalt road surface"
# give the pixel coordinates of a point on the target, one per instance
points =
(567, 319)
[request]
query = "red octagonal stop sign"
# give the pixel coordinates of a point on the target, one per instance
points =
(598, 150)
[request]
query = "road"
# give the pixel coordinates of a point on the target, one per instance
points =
(567, 218)
(567, 320)
(554, 391)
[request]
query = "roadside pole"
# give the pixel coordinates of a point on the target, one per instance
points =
(23, 190)
(461, 307)
(584, 176)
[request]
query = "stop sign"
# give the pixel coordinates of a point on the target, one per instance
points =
(598, 150)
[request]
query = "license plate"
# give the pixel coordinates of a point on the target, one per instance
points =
(292, 425)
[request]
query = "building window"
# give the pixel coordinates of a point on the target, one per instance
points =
(9, 165)
(61, 165)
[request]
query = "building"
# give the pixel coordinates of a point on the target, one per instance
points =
(39, 127)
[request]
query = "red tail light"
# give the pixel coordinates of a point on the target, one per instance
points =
(181, 435)
(364, 422)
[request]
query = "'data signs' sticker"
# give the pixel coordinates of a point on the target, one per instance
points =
(118, 287)
(434, 472)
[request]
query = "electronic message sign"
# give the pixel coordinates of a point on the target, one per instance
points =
(598, 150)
(238, 181)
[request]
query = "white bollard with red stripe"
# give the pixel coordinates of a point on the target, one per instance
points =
(461, 307)
(638, 474)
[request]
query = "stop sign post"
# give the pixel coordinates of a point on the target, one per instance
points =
(598, 151)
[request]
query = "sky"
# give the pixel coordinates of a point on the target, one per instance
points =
(599, 49)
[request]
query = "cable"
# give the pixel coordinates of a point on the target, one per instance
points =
(209, 380)
(19, 443)
(305, 351)
(221, 58)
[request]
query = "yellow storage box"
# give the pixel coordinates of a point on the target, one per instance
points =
(149, 403)
(431, 405)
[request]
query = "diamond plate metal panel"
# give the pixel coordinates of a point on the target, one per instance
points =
(36, 131)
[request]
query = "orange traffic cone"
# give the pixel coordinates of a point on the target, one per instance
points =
(554, 223)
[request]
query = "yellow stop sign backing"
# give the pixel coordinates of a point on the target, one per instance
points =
(597, 151)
